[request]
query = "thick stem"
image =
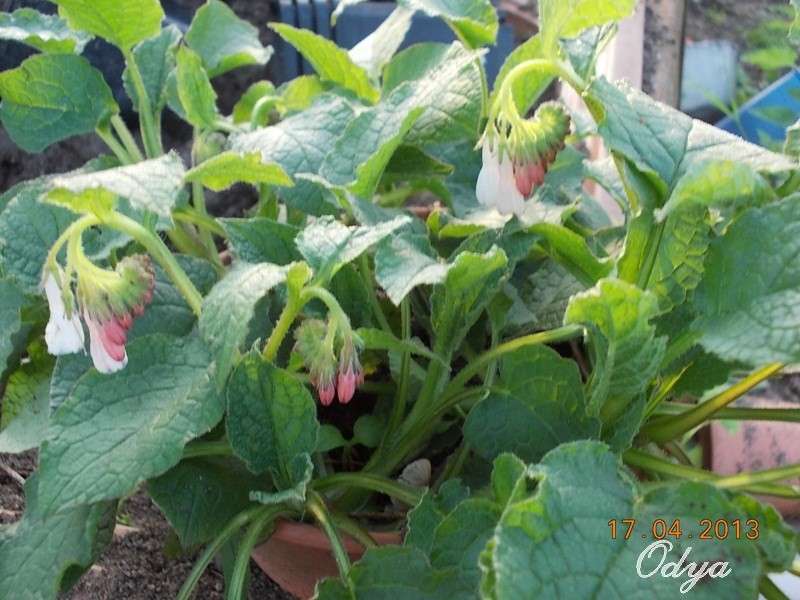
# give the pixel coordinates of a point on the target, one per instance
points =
(127, 139)
(401, 398)
(114, 145)
(150, 134)
(316, 506)
(251, 538)
(371, 482)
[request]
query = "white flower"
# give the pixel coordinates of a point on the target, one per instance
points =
(497, 185)
(63, 334)
(106, 345)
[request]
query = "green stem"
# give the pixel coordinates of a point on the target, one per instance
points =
(371, 482)
(316, 506)
(281, 328)
(377, 311)
(237, 522)
(757, 477)
(667, 428)
(127, 139)
(150, 134)
(353, 530)
(769, 590)
(401, 398)
(161, 253)
(254, 533)
(74, 228)
(117, 148)
(197, 449)
(204, 221)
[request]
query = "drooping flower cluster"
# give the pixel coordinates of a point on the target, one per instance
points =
(108, 301)
(516, 155)
(315, 343)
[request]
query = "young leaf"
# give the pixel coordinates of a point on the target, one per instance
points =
(473, 21)
(748, 298)
(230, 305)
(153, 185)
(47, 33)
(31, 564)
(196, 95)
(525, 89)
(115, 430)
(568, 19)
(223, 40)
(155, 59)
(404, 262)
(223, 170)
(375, 50)
(329, 61)
(51, 97)
(271, 417)
(601, 564)
(360, 155)
(123, 23)
(571, 251)
(538, 392)
(200, 495)
(259, 240)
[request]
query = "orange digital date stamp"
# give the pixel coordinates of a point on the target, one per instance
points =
(659, 529)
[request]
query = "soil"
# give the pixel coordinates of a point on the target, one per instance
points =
(134, 566)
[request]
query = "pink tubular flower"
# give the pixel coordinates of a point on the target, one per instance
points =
(351, 374)
(326, 392)
(106, 344)
(497, 185)
(64, 333)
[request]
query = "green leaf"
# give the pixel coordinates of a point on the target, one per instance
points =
(243, 109)
(571, 251)
(538, 392)
(271, 417)
(425, 517)
(47, 33)
(625, 351)
(299, 144)
(293, 489)
(474, 21)
(230, 305)
(470, 283)
(412, 64)
(360, 155)
(28, 229)
(195, 93)
(168, 311)
(153, 185)
(40, 108)
(566, 19)
(200, 495)
(223, 40)
(678, 265)
(771, 58)
(155, 59)
(718, 184)
(115, 430)
(329, 61)
(749, 294)
(404, 262)
(69, 369)
(26, 404)
(258, 240)
(378, 339)
(375, 50)
(11, 301)
(223, 170)
(326, 243)
(37, 552)
(558, 522)
(123, 23)
(525, 90)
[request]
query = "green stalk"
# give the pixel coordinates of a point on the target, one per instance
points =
(117, 148)
(769, 590)
(251, 538)
(316, 506)
(161, 253)
(150, 134)
(204, 221)
(363, 269)
(371, 482)
(197, 449)
(127, 139)
(401, 398)
(282, 326)
(667, 428)
(757, 477)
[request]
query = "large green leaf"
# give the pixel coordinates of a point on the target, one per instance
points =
(360, 155)
(225, 169)
(48, 33)
(568, 18)
(331, 62)
(558, 543)
(37, 552)
(230, 305)
(116, 430)
(402, 262)
(26, 404)
(154, 185)
(748, 299)
(271, 417)
(624, 349)
(11, 301)
(155, 59)
(474, 21)
(299, 144)
(123, 23)
(258, 240)
(200, 495)
(537, 405)
(196, 96)
(51, 97)
(223, 40)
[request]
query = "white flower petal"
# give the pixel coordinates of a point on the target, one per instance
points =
(488, 178)
(64, 335)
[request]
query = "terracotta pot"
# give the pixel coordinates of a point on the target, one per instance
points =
(297, 555)
(758, 445)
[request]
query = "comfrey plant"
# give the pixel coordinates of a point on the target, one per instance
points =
(550, 365)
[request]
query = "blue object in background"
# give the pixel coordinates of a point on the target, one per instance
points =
(357, 22)
(764, 117)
